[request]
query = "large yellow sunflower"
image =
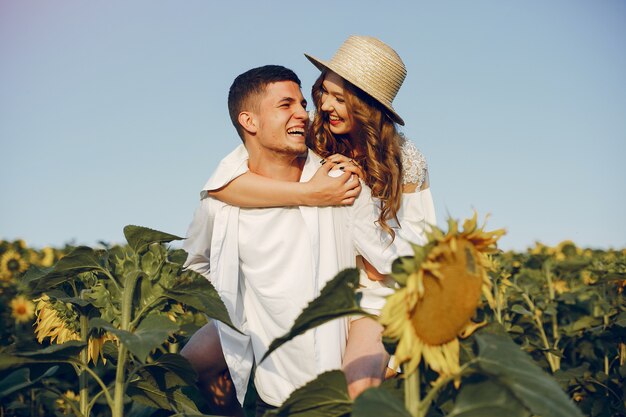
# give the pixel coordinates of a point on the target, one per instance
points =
(11, 264)
(58, 322)
(440, 297)
(22, 309)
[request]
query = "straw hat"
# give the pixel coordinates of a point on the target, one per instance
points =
(371, 65)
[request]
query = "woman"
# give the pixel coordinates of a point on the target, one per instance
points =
(355, 127)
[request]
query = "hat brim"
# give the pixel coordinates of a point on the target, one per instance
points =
(323, 66)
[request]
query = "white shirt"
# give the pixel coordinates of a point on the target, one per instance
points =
(278, 284)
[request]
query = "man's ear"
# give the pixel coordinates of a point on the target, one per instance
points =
(247, 120)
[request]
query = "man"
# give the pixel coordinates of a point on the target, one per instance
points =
(267, 264)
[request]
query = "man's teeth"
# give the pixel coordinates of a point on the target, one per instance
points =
(296, 132)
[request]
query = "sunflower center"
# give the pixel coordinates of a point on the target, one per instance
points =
(450, 302)
(13, 265)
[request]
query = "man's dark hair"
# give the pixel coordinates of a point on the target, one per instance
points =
(248, 86)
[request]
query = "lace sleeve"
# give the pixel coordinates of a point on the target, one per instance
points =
(414, 165)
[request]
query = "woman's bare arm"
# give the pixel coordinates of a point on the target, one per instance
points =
(253, 190)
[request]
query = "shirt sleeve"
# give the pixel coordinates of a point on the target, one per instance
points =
(416, 215)
(371, 241)
(198, 241)
(229, 168)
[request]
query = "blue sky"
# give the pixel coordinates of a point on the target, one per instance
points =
(114, 113)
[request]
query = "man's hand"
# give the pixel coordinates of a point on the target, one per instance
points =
(325, 190)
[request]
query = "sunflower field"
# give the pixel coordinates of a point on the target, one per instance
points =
(476, 331)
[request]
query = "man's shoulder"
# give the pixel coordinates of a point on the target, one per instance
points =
(314, 156)
(230, 167)
(311, 164)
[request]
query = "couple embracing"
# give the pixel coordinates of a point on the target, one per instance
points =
(298, 201)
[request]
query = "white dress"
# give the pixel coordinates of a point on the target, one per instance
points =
(416, 214)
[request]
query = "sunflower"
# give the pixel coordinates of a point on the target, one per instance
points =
(566, 249)
(63, 402)
(439, 298)
(560, 286)
(22, 309)
(57, 321)
(11, 264)
(47, 256)
(541, 249)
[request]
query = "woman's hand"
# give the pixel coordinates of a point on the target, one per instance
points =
(325, 190)
(348, 164)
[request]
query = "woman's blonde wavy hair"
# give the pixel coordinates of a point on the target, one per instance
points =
(377, 151)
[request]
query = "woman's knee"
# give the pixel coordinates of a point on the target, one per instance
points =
(204, 351)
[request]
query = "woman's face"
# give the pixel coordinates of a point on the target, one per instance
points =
(334, 105)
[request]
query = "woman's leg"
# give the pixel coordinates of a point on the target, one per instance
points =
(204, 352)
(365, 360)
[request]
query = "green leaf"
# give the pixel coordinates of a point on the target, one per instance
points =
(337, 299)
(160, 387)
(401, 268)
(8, 361)
(620, 319)
(378, 402)
(196, 291)
(148, 391)
(150, 334)
(139, 238)
(193, 415)
(53, 353)
(20, 379)
(571, 375)
(177, 256)
(33, 274)
(486, 399)
(500, 358)
(584, 323)
(62, 296)
(177, 365)
(325, 396)
(81, 259)
(521, 310)
(65, 350)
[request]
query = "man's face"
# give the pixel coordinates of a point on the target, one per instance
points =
(282, 119)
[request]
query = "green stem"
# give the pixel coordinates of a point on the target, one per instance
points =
(32, 402)
(144, 310)
(84, 359)
(81, 367)
(127, 305)
(439, 384)
(412, 393)
(118, 410)
(555, 327)
(93, 401)
(606, 357)
(542, 332)
(112, 278)
(497, 298)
